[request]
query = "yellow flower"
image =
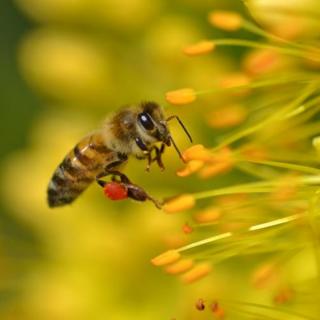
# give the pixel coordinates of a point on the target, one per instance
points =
(228, 116)
(179, 203)
(208, 215)
(262, 61)
(226, 20)
(215, 169)
(235, 80)
(199, 48)
(264, 275)
(191, 167)
(197, 152)
(181, 96)
(167, 257)
(180, 266)
(197, 272)
(221, 162)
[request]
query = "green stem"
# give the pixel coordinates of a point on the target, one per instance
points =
(254, 44)
(282, 312)
(284, 165)
(255, 187)
(274, 117)
(258, 31)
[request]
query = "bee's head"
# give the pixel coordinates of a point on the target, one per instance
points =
(152, 123)
(153, 126)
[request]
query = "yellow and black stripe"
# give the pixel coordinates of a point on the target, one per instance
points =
(78, 169)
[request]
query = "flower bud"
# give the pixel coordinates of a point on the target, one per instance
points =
(179, 203)
(199, 48)
(197, 272)
(167, 257)
(181, 96)
(180, 266)
(226, 20)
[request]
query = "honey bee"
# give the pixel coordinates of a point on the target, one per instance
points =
(133, 130)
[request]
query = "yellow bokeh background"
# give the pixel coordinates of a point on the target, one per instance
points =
(67, 64)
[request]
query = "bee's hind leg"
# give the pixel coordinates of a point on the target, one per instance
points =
(139, 194)
(134, 191)
(123, 178)
(108, 170)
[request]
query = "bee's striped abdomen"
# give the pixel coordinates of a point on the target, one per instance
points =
(78, 169)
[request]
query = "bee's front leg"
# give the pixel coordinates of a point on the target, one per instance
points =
(158, 154)
(158, 157)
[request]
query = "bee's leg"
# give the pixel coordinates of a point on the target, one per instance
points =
(109, 171)
(137, 193)
(149, 160)
(134, 192)
(158, 158)
(122, 176)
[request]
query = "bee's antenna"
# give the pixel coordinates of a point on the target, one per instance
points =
(183, 127)
(177, 149)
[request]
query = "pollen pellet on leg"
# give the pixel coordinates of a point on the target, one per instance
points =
(115, 191)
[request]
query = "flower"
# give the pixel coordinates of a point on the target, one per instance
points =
(226, 20)
(181, 96)
(165, 258)
(199, 48)
(221, 162)
(190, 167)
(180, 266)
(262, 61)
(235, 80)
(264, 275)
(179, 203)
(198, 153)
(227, 116)
(268, 113)
(208, 215)
(197, 272)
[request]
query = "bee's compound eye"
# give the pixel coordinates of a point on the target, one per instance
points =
(146, 121)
